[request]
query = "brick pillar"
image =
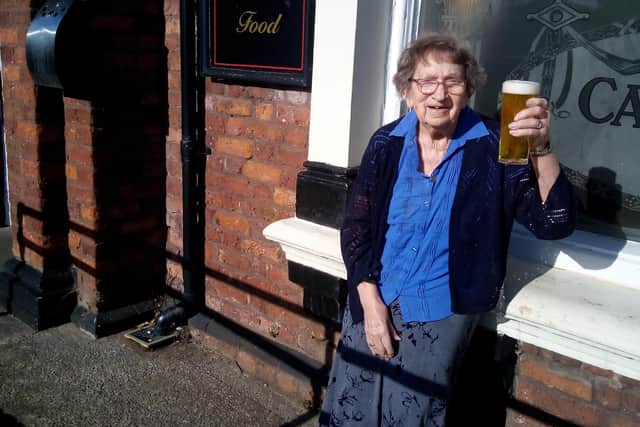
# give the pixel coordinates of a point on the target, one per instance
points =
(116, 126)
(36, 284)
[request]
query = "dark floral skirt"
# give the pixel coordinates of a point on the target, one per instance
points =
(411, 389)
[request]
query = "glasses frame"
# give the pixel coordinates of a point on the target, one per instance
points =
(446, 84)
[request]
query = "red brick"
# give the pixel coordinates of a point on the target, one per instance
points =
(297, 136)
(622, 420)
(317, 348)
(297, 97)
(631, 400)
(515, 419)
(80, 153)
(607, 393)
(247, 362)
(83, 248)
(262, 212)
(214, 88)
(24, 93)
(556, 403)
(215, 122)
(238, 185)
(604, 373)
(71, 171)
(261, 191)
(261, 172)
(292, 157)
(254, 128)
(626, 381)
(240, 147)
(172, 42)
(553, 375)
(9, 36)
(265, 151)
(233, 223)
(228, 292)
(293, 386)
(527, 348)
(293, 115)
(284, 197)
(264, 111)
(233, 258)
(173, 64)
(236, 107)
(265, 94)
(289, 178)
(263, 249)
(27, 131)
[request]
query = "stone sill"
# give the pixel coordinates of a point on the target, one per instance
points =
(575, 315)
(310, 244)
(578, 297)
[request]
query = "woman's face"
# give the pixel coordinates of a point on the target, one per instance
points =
(437, 109)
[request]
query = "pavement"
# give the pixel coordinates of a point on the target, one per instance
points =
(64, 377)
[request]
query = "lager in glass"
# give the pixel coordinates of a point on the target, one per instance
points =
(514, 97)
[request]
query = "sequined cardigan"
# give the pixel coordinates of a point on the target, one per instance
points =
(489, 196)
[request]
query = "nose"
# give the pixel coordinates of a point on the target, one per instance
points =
(440, 93)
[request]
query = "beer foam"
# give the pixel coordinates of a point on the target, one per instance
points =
(521, 87)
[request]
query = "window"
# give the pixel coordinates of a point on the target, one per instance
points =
(586, 54)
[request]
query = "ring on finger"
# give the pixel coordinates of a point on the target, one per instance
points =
(540, 124)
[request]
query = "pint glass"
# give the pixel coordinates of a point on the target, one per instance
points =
(514, 97)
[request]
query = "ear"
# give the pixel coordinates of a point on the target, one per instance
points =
(406, 100)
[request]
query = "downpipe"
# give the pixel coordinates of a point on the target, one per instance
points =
(193, 155)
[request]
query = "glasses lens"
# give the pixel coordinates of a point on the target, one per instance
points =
(427, 87)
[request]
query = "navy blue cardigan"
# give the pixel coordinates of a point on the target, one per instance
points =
(489, 196)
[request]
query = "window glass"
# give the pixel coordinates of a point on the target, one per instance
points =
(586, 54)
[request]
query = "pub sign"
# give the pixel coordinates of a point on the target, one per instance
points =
(260, 41)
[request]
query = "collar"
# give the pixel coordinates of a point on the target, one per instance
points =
(470, 126)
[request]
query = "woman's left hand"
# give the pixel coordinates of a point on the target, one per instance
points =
(532, 122)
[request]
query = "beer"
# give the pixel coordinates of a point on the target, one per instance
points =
(514, 97)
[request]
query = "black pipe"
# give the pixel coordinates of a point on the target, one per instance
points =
(193, 167)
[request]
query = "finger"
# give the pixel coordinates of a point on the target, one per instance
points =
(538, 101)
(531, 112)
(387, 348)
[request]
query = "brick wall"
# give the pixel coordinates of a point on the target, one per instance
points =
(258, 139)
(567, 389)
(35, 149)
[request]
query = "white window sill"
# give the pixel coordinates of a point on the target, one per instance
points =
(587, 306)
(573, 314)
(309, 244)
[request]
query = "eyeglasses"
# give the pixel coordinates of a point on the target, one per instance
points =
(451, 85)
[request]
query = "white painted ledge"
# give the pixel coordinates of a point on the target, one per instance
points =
(576, 315)
(309, 244)
(591, 313)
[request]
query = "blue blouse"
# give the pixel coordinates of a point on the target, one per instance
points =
(415, 259)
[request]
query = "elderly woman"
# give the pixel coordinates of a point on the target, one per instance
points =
(426, 235)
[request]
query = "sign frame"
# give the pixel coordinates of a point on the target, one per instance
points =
(297, 76)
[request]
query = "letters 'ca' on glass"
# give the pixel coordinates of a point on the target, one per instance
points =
(514, 97)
